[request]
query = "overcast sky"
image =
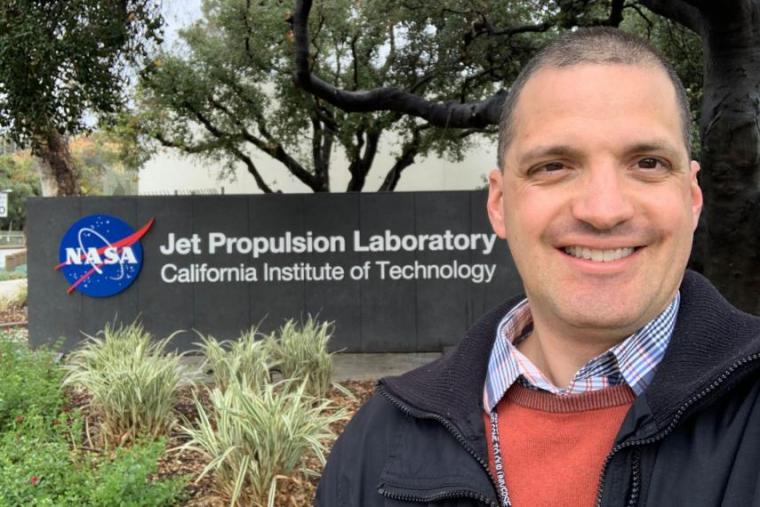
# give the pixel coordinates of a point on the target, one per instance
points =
(177, 14)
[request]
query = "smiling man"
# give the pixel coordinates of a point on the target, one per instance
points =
(620, 378)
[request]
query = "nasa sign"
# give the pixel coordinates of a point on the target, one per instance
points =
(101, 255)
(395, 271)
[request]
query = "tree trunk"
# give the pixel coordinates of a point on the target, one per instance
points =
(58, 173)
(730, 131)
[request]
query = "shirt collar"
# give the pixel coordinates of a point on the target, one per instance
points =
(632, 361)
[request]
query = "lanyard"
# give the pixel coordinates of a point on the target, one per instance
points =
(498, 463)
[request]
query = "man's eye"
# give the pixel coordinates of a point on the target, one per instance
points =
(552, 166)
(545, 170)
(649, 163)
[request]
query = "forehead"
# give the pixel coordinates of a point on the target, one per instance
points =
(596, 102)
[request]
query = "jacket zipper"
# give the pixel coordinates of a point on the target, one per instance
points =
(459, 438)
(443, 495)
(635, 478)
(636, 473)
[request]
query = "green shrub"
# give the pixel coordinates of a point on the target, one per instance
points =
(38, 467)
(253, 436)
(125, 480)
(35, 465)
(301, 353)
(250, 356)
(133, 381)
(29, 380)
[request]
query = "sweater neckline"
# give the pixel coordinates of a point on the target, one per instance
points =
(545, 401)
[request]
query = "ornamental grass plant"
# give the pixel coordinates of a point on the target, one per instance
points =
(300, 351)
(255, 436)
(249, 358)
(16, 301)
(133, 381)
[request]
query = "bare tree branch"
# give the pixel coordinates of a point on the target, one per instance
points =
(252, 169)
(484, 27)
(355, 61)
(616, 13)
(234, 149)
(450, 114)
(637, 8)
(321, 146)
(361, 165)
(192, 149)
(202, 147)
(404, 160)
(515, 30)
(270, 147)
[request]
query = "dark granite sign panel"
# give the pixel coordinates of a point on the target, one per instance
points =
(394, 271)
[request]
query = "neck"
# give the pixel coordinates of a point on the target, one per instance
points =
(559, 356)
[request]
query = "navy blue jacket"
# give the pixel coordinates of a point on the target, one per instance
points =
(691, 439)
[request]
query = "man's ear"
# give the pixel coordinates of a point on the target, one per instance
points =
(495, 203)
(696, 193)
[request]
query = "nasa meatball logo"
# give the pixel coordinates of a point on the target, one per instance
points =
(101, 255)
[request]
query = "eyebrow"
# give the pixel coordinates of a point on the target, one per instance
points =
(554, 150)
(651, 146)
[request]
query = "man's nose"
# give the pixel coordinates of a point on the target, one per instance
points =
(602, 200)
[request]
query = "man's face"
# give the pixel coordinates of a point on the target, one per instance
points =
(597, 200)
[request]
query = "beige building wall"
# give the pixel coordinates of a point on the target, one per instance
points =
(169, 172)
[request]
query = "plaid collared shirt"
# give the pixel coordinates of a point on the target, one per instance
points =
(632, 361)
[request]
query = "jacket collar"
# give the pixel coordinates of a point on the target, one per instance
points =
(714, 346)
(709, 339)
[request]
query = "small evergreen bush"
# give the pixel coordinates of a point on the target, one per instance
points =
(38, 467)
(30, 382)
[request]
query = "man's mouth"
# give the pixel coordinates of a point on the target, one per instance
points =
(595, 255)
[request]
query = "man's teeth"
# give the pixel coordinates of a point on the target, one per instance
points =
(598, 255)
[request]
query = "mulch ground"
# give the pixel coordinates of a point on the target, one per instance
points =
(13, 315)
(294, 492)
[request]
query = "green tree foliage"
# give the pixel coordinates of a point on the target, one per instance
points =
(18, 173)
(60, 61)
(107, 161)
(228, 92)
(456, 59)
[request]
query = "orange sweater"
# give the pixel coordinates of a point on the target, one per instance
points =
(553, 447)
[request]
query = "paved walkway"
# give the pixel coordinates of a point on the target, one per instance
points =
(366, 366)
(374, 366)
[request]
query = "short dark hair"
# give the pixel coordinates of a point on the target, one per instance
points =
(598, 45)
